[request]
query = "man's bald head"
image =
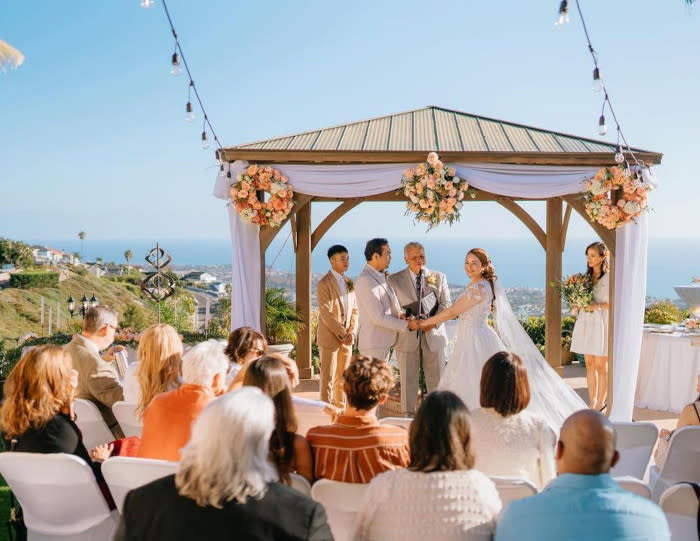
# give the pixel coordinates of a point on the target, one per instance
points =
(586, 444)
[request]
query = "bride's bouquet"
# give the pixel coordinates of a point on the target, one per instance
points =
(577, 291)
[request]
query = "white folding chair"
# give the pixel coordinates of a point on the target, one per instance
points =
(309, 413)
(124, 473)
(342, 502)
(59, 496)
(404, 422)
(635, 442)
(513, 488)
(92, 425)
(680, 505)
(300, 483)
(126, 417)
(634, 485)
(682, 462)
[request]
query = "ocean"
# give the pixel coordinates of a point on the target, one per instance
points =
(519, 262)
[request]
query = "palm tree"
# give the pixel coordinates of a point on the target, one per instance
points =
(81, 236)
(128, 255)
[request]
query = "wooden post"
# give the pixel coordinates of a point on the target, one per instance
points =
(552, 310)
(303, 288)
(611, 329)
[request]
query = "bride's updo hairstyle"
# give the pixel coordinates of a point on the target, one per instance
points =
(488, 273)
(602, 252)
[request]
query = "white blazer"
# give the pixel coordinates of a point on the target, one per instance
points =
(379, 321)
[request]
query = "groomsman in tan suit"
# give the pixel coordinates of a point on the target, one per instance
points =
(337, 324)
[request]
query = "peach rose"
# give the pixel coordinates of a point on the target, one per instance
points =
(433, 158)
(408, 173)
(430, 183)
(252, 169)
(419, 188)
(243, 194)
(420, 170)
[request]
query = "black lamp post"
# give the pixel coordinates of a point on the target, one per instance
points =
(85, 305)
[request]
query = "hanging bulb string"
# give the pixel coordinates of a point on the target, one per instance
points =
(193, 86)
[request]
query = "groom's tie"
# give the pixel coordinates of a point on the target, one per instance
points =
(419, 279)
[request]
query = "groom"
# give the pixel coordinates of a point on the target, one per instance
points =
(436, 295)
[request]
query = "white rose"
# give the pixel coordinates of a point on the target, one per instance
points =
(632, 208)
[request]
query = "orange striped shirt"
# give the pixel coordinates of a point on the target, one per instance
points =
(355, 449)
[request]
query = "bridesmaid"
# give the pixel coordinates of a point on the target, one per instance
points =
(590, 336)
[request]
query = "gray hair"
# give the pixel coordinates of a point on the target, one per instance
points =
(99, 316)
(411, 246)
(201, 363)
(227, 456)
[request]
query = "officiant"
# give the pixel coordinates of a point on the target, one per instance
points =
(416, 279)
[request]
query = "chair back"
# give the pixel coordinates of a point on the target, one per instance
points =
(125, 473)
(125, 414)
(682, 459)
(680, 505)
(342, 502)
(404, 422)
(58, 494)
(635, 442)
(513, 488)
(300, 483)
(91, 424)
(634, 485)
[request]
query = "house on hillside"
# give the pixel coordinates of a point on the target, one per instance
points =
(113, 270)
(198, 276)
(95, 269)
(219, 287)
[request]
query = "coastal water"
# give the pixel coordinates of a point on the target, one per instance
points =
(519, 262)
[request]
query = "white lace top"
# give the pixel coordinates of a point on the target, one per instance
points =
(478, 314)
(520, 445)
(403, 505)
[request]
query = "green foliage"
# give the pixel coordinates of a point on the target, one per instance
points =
(177, 310)
(663, 313)
(29, 279)
(15, 252)
(535, 328)
(9, 357)
(128, 255)
(282, 322)
(135, 318)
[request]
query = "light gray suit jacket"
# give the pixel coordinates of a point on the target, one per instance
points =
(405, 289)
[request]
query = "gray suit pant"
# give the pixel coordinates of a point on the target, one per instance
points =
(409, 364)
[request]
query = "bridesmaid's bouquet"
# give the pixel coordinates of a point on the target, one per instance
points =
(576, 290)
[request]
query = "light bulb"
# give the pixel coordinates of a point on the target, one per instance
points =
(602, 126)
(619, 156)
(146, 3)
(205, 141)
(176, 64)
(597, 81)
(563, 13)
(190, 114)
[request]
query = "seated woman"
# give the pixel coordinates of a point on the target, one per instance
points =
(289, 451)
(36, 415)
(440, 496)
(159, 367)
(510, 441)
(244, 345)
(690, 416)
(225, 486)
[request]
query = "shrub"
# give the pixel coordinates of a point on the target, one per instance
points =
(282, 322)
(27, 280)
(663, 313)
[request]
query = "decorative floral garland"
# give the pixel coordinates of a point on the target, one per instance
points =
(434, 192)
(244, 196)
(631, 201)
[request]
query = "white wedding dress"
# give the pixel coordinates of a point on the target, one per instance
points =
(550, 396)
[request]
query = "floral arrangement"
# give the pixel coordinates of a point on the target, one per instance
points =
(254, 211)
(577, 291)
(349, 284)
(432, 279)
(692, 324)
(631, 201)
(434, 192)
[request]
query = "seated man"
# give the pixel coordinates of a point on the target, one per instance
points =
(98, 379)
(584, 502)
(356, 447)
(168, 419)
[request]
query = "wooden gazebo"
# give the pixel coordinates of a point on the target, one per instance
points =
(406, 138)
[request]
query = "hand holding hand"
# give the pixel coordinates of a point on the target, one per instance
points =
(292, 370)
(413, 325)
(101, 452)
(348, 340)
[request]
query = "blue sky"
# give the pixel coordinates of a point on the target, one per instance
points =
(92, 130)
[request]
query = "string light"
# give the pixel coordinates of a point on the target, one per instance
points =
(563, 13)
(597, 81)
(188, 108)
(619, 155)
(602, 126)
(205, 140)
(175, 70)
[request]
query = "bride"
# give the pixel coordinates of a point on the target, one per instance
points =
(550, 396)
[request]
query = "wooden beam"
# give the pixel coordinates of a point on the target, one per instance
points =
(392, 196)
(267, 234)
(552, 310)
(606, 235)
(328, 222)
(525, 218)
(293, 225)
(303, 290)
(565, 227)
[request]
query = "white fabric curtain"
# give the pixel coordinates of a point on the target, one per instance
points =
(528, 181)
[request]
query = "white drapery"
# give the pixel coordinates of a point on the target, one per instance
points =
(528, 181)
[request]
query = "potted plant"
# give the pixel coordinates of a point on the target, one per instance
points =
(282, 322)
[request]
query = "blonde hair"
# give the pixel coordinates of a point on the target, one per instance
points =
(160, 362)
(227, 456)
(37, 388)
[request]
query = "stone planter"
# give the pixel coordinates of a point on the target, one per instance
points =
(282, 349)
(566, 356)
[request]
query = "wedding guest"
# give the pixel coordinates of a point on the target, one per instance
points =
(584, 502)
(290, 452)
(98, 380)
(441, 496)
(510, 441)
(36, 414)
(224, 486)
(244, 345)
(690, 416)
(356, 447)
(337, 324)
(158, 369)
(168, 419)
(590, 334)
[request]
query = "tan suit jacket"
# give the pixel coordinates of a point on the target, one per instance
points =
(333, 322)
(98, 380)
